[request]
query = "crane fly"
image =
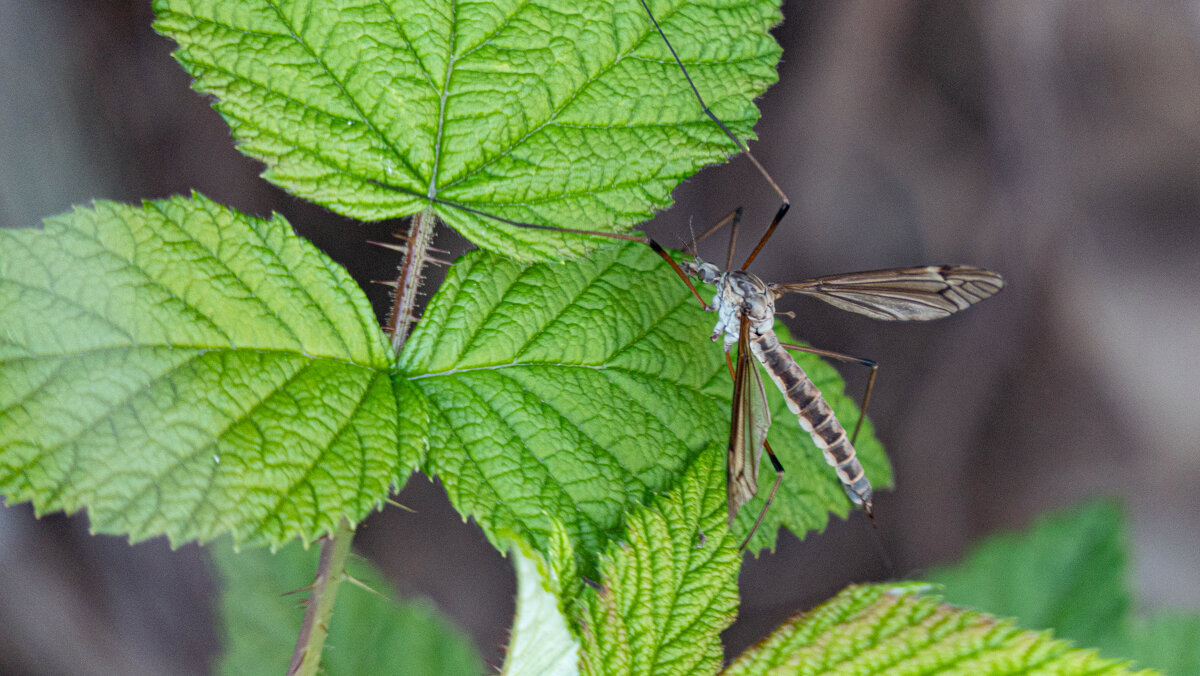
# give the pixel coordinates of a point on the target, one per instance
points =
(745, 307)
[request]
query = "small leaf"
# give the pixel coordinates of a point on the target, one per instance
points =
(669, 588)
(541, 643)
(182, 369)
(371, 633)
(894, 630)
(568, 113)
(574, 392)
(1066, 573)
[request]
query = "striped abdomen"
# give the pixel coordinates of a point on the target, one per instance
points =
(816, 417)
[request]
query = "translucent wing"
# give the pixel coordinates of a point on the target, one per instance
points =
(901, 294)
(748, 430)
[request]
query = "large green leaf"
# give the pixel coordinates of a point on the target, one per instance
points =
(669, 588)
(180, 369)
(569, 392)
(1168, 641)
(573, 392)
(568, 113)
(371, 632)
(894, 630)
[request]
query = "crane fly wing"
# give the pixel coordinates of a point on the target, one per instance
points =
(748, 429)
(902, 294)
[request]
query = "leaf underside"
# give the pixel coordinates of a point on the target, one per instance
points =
(180, 369)
(566, 113)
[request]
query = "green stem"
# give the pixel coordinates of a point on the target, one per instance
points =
(335, 548)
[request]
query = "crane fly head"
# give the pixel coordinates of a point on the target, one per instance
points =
(705, 272)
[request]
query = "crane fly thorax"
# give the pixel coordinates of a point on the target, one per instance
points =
(749, 294)
(739, 294)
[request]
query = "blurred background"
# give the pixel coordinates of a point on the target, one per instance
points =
(1056, 142)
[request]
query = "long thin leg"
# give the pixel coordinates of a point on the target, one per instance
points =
(733, 137)
(869, 363)
(770, 496)
(679, 271)
(786, 203)
(783, 209)
(735, 216)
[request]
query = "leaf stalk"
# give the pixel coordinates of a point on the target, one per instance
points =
(335, 549)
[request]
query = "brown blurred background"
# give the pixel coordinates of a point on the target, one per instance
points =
(1056, 142)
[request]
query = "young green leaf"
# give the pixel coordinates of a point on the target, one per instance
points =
(573, 392)
(568, 392)
(568, 113)
(894, 630)
(371, 632)
(181, 369)
(669, 589)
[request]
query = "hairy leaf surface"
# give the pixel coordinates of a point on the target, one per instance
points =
(181, 369)
(569, 113)
(894, 630)
(669, 588)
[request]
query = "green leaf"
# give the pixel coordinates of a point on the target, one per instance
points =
(568, 392)
(574, 392)
(371, 633)
(669, 589)
(181, 369)
(1066, 573)
(568, 113)
(1069, 573)
(894, 630)
(542, 644)
(1168, 641)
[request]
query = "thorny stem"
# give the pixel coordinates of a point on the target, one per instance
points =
(335, 548)
(420, 234)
